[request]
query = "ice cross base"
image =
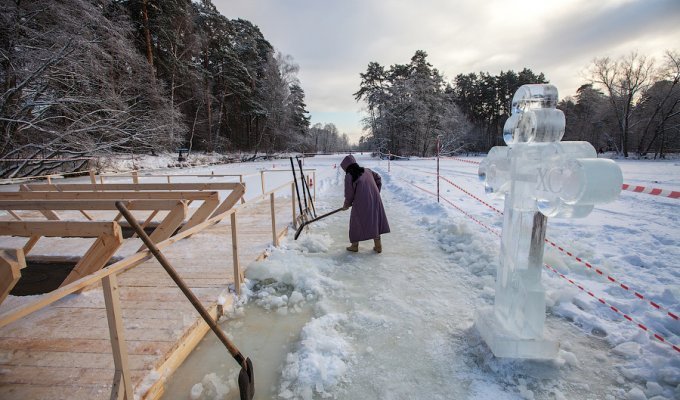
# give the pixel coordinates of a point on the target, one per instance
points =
(539, 177)
(505, 343)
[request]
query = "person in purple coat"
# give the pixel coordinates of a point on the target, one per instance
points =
(362, 192)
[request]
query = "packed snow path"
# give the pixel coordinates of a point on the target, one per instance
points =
(398, 325)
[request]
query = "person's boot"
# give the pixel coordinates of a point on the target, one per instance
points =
(377, 245)
(354, 247)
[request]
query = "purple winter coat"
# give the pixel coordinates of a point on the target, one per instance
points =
(367, 219)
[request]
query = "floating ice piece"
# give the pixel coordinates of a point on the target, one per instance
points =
(538, 177)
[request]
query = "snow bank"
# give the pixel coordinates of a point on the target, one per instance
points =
(320, 363)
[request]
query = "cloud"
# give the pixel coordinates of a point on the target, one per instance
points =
(333, 41)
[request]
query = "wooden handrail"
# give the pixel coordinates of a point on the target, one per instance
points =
(70, 187)
(115, 268)
(59, 228)
(179, 195)
(85, 204)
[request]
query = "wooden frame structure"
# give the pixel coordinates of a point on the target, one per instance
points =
(50, 198)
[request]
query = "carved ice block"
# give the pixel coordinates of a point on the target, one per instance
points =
(538, 177)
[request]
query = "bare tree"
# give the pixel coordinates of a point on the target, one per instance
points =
(623, 80)
(659, 108)
(72, 86)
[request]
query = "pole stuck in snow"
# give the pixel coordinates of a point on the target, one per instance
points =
(246, 378)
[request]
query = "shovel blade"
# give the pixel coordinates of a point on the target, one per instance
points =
(299, 230)
(246, 381)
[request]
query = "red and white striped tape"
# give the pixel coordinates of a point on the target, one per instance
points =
(463, 160)
(579, 286)
(614, 280)
(653, 191)
(454, 206)
(616, 310)
(588, 265)
(673, 194)
(581, 261)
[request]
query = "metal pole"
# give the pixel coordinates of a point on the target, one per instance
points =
(438, 145)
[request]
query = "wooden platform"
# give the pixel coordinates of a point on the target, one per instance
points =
(64, 351)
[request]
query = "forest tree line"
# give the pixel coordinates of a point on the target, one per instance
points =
(81, 78)
(631, 105)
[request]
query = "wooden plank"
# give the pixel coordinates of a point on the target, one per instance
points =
(150, 312)
(74, 391)
(49, 205)
(179, 354)
(124, 195)
(83, 345)
(238, 277)
(122, 384)
(96, 256)
(11, 263)
(15, 215)
(203, 212)
(70, 187)
(30, 243)
(146, 222)
(118, 267)
(65, 376)
(272, 205)
(58, 228)
(49, 214)
(169, 225)
(233, 198)
(57, 359)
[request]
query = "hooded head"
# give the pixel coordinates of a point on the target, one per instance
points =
(349, 160)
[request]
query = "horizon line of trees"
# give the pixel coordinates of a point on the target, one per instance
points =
(630, 105)
(80, 78)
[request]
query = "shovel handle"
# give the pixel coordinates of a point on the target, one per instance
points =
(297, 234)
(180, 283)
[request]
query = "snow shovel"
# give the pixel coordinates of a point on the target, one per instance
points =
(302, 225)
(299, 199)
(246, 379)
(306, 187)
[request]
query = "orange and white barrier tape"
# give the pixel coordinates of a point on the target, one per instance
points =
(653, 191)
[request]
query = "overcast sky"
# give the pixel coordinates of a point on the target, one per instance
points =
(334, 40)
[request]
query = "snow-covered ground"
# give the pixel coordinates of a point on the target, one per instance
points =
(399, 325)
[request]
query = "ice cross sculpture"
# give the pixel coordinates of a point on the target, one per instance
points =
(539, 177)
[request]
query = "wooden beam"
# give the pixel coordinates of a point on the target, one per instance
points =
(275, 238)
(11, 263)
(184, 349)
(118, 267)
(30, 243)
(146, 222)
(58, 228)
(15, 215)
(238, 277)
(232, 199)
(78, 187)
(96, 256)
(203, 212)
(77, 205)
(49, 214)
(169, 225)
(122, 382)
(125, 195)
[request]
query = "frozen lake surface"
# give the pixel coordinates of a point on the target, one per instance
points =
(320, 322)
